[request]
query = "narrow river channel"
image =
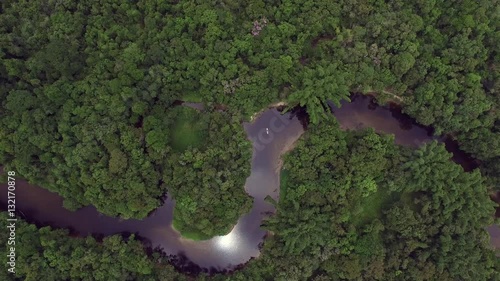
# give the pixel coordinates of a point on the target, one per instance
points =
(271, 134)
(220, 253)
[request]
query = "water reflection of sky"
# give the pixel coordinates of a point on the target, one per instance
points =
(242, 243)
(228, 243)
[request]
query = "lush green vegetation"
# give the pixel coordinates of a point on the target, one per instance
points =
(78, 76)
(429, 222)
(429, 225)
(87, 98)
(47, 254)
(372, 206)
(208, 182)
(87, 92)
(189, 129)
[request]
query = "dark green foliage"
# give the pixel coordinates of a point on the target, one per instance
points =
(46, 254)
(78, 78)
(429, 224)
(87, 92)
(445, 231)
(207, 182)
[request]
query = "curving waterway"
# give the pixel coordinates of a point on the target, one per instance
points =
(217, 254)
(271, 134)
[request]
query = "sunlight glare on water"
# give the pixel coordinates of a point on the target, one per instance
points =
(227, 242)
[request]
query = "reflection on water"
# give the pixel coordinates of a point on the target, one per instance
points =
(227, 242)
(270, 133)
(494, 231)
(363, 112)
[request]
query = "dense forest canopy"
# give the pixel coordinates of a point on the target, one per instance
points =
(402, 215)
(78, 76)
(88, 92)
(47, 254)
(207, 178)
(406, 215)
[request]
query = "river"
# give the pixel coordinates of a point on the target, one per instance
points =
(217, 254)
(271, 134)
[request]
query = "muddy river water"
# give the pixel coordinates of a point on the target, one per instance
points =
(271, 134)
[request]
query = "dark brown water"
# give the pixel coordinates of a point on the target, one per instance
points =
(219, 253)
(363, 112)
(45, 208)
(494, 230)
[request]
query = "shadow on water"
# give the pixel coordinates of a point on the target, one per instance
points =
(364, 112)
(271, 133)
(301, 114)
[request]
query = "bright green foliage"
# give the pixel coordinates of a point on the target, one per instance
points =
(79, 78)
(207, 183)
(427, 221)
(87, 89)
(317, 86)
(322, 175)
(189, 129)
